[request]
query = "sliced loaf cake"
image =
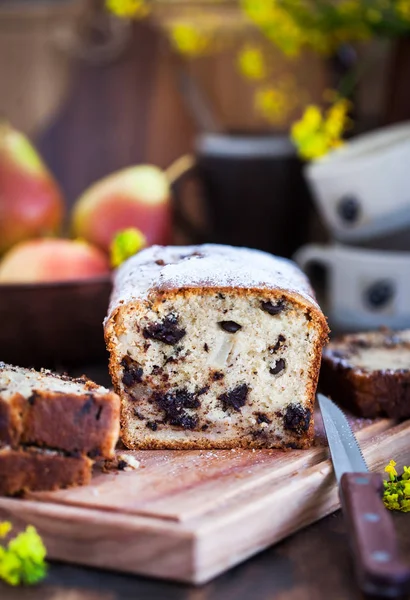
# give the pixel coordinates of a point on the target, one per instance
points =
(214, 347)
(34, 469)
(51, 428)
(369, 373)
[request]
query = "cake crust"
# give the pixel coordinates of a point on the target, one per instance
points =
(183, 277)
(57, 412)
(31, 469)
(369, 373)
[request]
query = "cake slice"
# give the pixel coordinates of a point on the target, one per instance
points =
(39, 408)
(214, 347)
(51, 429)
(34, 469)
(369, 373)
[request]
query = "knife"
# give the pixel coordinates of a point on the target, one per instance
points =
(379, 570)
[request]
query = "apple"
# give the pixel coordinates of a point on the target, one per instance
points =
(45, 260)
(137, 197)
(31, 204)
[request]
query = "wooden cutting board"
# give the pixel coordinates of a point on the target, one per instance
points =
(190, 515)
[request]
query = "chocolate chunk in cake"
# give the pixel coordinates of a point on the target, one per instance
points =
(234, 399)
(229, 326)
(167, 331)
(273, 308)
(297, 418)
(132, 372)
(278, 367)
(174, 405)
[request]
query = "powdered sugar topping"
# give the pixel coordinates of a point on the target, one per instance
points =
(209, 265)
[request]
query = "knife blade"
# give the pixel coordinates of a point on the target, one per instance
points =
(378, 567)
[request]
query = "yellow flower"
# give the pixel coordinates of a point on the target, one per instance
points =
(251, 62)
(391, 501)
(190, 40)
(315, 134)
(125, 244)
(336, 120)
(23, 561)
(403, 9)
(5, 529)
(10, 566)
(311, 121)
(390, 469)
(136, 9)
(275, 103)
(277, 24)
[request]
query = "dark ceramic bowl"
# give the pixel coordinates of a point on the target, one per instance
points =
(54, 324)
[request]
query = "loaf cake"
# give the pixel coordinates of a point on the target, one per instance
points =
(214, 347)
(53, 425)
(369, 373)
(35, 469)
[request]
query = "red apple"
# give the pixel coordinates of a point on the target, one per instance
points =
(134, 197)
(52, 260)
(31, 204)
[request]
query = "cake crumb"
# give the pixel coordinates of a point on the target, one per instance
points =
(122, 462)
(127, 462)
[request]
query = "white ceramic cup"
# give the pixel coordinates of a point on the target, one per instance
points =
(362, 190)
(365, 289)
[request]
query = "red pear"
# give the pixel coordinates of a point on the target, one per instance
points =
(46, 260)
(137, 197)
(31, 204)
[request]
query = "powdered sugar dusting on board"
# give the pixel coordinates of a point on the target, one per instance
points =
(209, 265)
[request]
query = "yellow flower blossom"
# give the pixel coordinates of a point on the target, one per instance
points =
(276, 102)
(5, 529)
(23, 560)
(136, 9)
(251, 62)
(190, 40)
(396, 491)
(403, 9)
(277, 24)
(316, 134)
(390, 469)
(336, 121)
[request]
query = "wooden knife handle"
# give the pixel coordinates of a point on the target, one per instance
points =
(370, 527)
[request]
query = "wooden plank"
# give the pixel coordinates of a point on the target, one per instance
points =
(226, 538)
(199, 546)
(118, 542)
(183, 485)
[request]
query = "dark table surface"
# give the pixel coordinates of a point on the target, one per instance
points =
(313, 564)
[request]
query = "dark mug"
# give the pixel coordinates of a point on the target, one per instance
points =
(253, 189)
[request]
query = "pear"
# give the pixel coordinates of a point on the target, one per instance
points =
(31, 204)
(46, 260)
(136, 197)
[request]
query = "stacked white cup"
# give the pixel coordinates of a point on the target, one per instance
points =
(362, 193)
